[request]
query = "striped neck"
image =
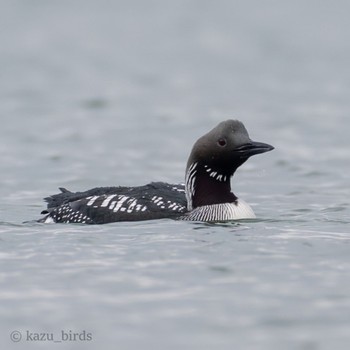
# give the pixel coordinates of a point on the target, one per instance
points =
(206, 185)
(221, 212)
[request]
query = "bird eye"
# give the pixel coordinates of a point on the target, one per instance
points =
(222, 142)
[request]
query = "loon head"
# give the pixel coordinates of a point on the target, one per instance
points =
(214, 159)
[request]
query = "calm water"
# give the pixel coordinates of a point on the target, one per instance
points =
(97, 93)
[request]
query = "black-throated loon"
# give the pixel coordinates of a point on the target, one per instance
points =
(205, 196)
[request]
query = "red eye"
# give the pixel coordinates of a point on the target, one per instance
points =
(222, 142)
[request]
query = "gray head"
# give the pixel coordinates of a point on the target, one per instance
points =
(214, 159)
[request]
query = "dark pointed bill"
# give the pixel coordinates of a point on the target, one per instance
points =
(250, 149)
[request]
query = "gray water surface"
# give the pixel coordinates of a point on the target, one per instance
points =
(101, 93)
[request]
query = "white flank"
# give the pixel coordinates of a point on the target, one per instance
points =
(49, 220)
